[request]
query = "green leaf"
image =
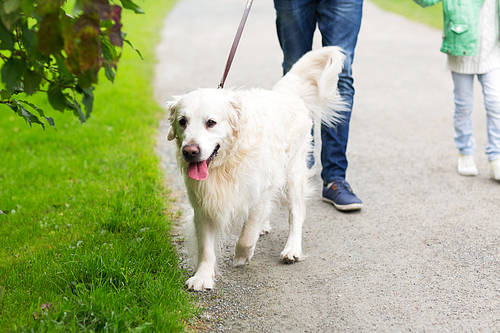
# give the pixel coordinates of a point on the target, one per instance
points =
(77, 110)
(88, 100)
(28, 37)
(64, 75)
(12, 72)
(129, 4)
(5, 94)
(133, 48)
(11, 6)
(50, 120)
(110, 74)
(6, 38)
(108, 51)
(28, 116)
(57, 98)
(33, 106)
(27, 7)
(77, 8)
(40, 112)
(87, 78)
(31, 82)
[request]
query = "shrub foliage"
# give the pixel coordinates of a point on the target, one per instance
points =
(58, 49)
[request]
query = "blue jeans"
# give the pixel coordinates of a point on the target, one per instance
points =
(339, 22)
(464, 103)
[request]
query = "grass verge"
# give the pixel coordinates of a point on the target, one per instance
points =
(84, 243)
(432, 16)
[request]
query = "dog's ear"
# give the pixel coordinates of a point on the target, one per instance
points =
(172, 106)
(235, 115)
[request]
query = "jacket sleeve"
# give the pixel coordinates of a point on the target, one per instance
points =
(426, 3)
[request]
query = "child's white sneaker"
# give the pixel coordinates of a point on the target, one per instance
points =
(495, 169)
(467, 166)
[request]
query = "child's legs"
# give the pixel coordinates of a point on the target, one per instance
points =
(491, 91)
(462, 119)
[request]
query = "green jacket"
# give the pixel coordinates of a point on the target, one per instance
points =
(461, 22)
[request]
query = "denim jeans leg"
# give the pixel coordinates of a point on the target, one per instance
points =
(339, 22)
(295, 24)
(462, 119)
(491, 92)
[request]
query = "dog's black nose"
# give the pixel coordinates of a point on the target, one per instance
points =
(191, 152)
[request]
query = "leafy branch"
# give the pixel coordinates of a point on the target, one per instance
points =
(46, 49)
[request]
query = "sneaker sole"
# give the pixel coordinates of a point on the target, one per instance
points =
(344, 208)
(468, 173)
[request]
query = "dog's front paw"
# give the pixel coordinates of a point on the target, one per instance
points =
(200, 283)
(242, 255)
(289, 256)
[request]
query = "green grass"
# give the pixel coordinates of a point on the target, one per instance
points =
(432, 16)
(86, 233)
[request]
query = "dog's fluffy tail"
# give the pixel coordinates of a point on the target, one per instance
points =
(314, 77)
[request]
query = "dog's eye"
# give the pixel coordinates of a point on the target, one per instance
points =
(182, 122)
(211, 123)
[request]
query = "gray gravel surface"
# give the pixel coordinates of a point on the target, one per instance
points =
(422, 255)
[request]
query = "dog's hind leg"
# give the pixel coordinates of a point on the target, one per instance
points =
(266, 227)
(258, 219)
(205, 272)
(297, 211)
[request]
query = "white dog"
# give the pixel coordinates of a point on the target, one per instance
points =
(241, 150)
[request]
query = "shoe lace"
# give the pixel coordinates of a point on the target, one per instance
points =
(342, 184)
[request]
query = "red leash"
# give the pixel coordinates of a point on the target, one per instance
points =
(235, 43)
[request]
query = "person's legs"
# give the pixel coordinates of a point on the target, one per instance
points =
(339, 22)
(295, 24)
(462, 119)
(491, 92)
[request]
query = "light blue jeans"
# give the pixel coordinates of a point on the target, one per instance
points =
(464, 101)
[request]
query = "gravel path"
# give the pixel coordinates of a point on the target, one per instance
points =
(422, 255)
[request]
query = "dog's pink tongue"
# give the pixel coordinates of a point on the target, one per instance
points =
(198, 170)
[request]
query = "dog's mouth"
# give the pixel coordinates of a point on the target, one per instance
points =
(199, 170)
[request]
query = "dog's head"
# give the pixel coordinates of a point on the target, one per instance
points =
(204, 123)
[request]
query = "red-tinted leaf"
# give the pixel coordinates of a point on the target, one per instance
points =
(98, 8)
(116, 13)
(50, 40)
(115, 35)
(89, 49)
(48, 6)
(88, 44)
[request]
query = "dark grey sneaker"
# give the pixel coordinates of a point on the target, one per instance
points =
(339, 193)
